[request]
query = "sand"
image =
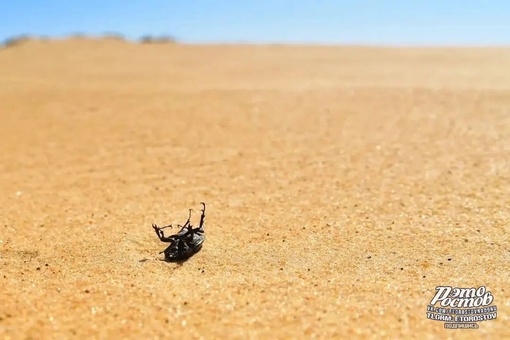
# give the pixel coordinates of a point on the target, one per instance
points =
(343, 184)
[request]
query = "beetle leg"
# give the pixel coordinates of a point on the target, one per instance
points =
(189, 218)
(156, 229)
(167, 226)
(162, 236)
(202, 217)
(201, 226)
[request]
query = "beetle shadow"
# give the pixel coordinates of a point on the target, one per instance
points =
(180, 262)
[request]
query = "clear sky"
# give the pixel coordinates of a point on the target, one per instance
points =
(379, 22)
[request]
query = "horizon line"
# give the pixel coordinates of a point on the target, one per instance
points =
(170, 39)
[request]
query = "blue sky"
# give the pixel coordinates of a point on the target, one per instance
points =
(383, 22)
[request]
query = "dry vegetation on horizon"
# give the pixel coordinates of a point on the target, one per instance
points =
(145, 39)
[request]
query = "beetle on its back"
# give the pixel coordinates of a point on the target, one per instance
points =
(186, 242)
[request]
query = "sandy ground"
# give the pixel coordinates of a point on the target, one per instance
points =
(342, 186)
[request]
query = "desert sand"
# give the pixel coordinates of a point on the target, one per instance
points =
(343, 184)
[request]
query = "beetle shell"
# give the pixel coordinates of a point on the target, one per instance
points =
(183, 246)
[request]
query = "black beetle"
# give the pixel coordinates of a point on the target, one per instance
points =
(186, 242)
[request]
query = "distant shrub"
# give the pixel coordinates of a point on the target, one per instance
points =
(114, 36)
(163, 39)
(106, 35)
(78, 35)
(15, 41)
